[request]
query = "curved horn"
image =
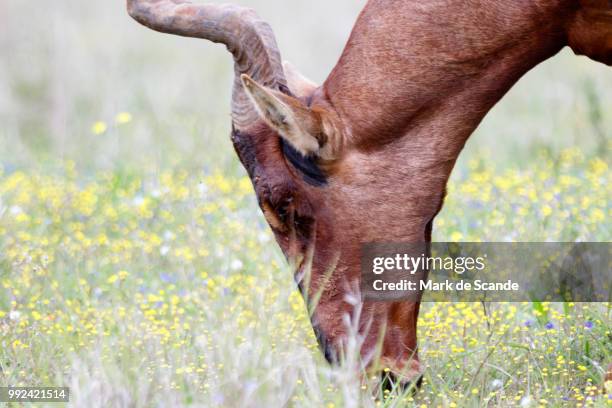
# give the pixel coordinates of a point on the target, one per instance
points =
(249, 39)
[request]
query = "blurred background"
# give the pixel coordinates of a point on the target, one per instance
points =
(81, 81)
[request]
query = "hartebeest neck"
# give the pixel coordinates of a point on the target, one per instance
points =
(414, 81)
(428, 72)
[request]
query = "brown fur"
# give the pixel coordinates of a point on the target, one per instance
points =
(414, 81)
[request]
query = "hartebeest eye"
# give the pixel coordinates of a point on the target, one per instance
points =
(309, 167)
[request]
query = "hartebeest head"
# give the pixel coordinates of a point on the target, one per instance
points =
(366, 156)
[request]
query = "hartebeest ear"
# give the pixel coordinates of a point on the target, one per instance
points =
(295, 122)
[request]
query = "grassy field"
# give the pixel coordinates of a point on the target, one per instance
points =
(145, 288)
(136, 268)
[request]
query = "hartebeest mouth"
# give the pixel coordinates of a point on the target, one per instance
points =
(366, 156)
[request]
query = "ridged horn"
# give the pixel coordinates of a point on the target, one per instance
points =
(249, 39)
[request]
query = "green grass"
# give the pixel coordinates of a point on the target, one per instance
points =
(143, 288)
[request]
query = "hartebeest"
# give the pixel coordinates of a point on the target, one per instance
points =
(366, 156)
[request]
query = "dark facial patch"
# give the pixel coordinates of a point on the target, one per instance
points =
(306, 165)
